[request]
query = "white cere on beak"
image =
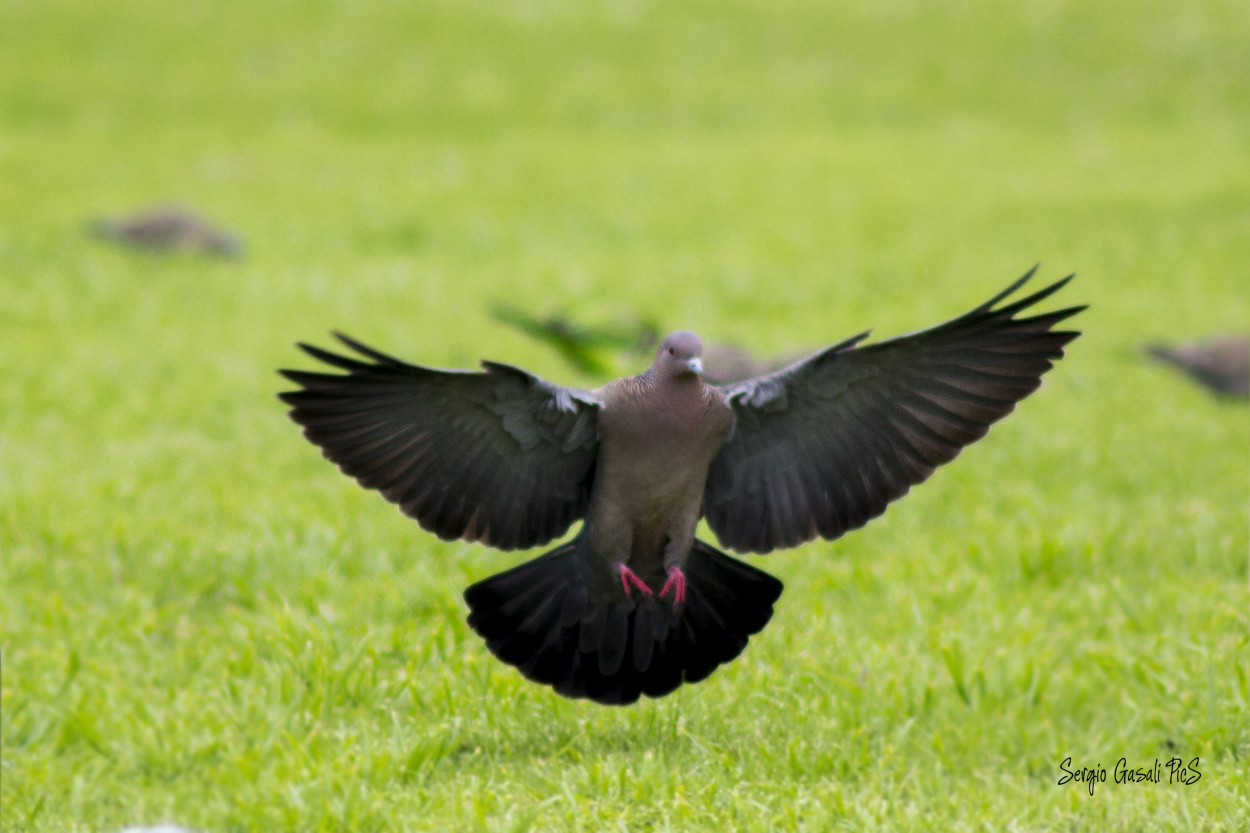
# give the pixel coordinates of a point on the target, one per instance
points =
(696, 366)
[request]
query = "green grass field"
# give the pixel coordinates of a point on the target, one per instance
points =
(202, 621)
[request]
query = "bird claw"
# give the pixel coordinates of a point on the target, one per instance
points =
(630, 581)
(677, 584)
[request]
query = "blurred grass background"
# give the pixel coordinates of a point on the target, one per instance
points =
(203, 622)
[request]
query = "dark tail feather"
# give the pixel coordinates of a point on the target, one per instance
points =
(544, 619)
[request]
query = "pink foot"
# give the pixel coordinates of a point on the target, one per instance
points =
(676, 583)
(630, 580)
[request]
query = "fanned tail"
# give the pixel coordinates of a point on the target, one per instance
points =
(544, 618)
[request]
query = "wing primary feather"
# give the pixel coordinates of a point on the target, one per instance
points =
(335, 359)
(1030, 300)
(377, 355)
(1006, 293)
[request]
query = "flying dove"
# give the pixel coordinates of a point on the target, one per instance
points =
(634, 604)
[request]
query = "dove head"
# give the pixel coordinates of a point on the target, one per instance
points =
(679, 356)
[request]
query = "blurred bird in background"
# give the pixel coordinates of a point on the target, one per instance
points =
(168, 229)
(1220, 364)
(582, 346)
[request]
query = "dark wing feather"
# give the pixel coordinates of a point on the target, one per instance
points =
(823, 446)
(500, 457)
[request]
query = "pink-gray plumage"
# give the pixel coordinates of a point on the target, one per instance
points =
(635, 604)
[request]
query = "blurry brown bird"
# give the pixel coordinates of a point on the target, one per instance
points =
(635, 604)
(1221, 365)
(168, 229)
(724, 364)
(579, 345)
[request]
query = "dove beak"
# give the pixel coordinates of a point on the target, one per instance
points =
(695, 366)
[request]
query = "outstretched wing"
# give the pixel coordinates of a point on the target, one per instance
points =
(501, 457)
(823, 446)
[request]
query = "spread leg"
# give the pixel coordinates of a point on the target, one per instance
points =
(630, 582)
(677, 585)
